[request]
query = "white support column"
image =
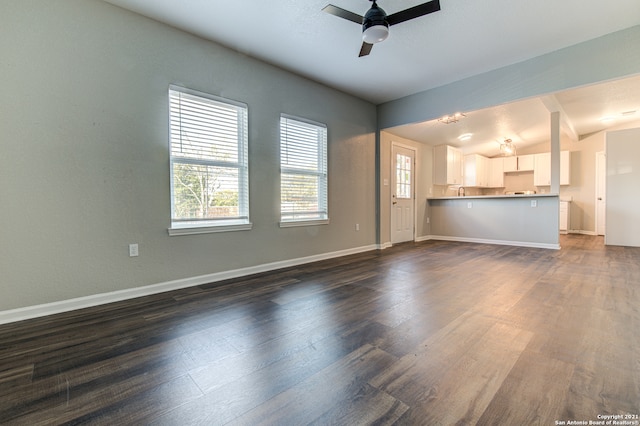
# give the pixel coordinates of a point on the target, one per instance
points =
(555, 152)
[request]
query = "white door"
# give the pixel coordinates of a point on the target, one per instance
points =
(402, 194)
(601, 199)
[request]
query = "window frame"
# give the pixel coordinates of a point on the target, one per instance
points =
(321, 172)
(187, 226)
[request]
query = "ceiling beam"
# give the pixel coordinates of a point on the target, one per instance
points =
(551, 103)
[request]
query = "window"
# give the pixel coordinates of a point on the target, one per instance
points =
(403, 176)
(209, 165)
(303, 172)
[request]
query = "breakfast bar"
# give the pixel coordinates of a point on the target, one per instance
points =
(528, 220)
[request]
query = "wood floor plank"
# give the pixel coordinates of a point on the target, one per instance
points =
(460, 393)
(309, 400)
(430, 333)
(83, 390)
(525, 397)
(432, 357)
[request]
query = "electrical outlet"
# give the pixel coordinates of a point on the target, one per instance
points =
(469, 205)
(357, 226)
(428, 220)
(534, 203)
(133, 250)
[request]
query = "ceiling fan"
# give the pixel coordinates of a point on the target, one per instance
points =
(375, 23)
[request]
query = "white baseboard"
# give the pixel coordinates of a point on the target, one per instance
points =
(386, 245)
(498, 242)
(29, 312)
(579, 231)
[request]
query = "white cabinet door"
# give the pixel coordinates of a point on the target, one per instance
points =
(447, 165)
(525, 162)
(455, 165)
(542, 169)
(496, 172)
(510, 164)
(476, 171)
(564, 216)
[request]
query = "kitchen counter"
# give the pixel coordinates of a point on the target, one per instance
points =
(522, 220)
(493, 196)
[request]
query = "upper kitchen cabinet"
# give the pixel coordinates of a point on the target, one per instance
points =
(476, 171)
(483, 172)
(447, 165)
(542, 170)
(496, 172)
(521, 163)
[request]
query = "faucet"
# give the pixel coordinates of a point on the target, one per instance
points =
(461, 191)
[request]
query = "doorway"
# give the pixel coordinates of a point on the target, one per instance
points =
(601, 192)
(403, 163)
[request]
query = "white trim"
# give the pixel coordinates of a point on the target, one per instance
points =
(293, 223)
(498, 242)
(423, 238)
(581, 232)
(385, 245)
(29, 312)
(597, 178)
(209, 229)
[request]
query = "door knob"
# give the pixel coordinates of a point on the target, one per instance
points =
(394, 203)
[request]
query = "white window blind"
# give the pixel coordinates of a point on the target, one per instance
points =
(209, 161)
(303, 170)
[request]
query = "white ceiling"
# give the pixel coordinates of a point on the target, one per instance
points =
(464, 38)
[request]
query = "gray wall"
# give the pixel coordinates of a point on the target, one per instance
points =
(623, 188)
(84, 166)
(501, 219)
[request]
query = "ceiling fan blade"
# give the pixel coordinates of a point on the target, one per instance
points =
(342, 13)
(365, 49)
(414, 12)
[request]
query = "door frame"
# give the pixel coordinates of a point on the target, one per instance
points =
(597, 180)
(413, 188)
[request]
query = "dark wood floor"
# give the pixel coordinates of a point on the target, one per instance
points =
(433, 333)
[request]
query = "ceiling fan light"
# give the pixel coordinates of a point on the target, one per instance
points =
(375, 34)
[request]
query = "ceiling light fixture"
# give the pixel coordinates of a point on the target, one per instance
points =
(465, 137)
(375, 27)
(607, 119)
(508, 148)
(448, 119)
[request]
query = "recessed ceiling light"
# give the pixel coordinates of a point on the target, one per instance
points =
(612, 118)
(465, 137)
(607, 119)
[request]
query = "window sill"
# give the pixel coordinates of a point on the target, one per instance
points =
(293, 223)
(192, 230)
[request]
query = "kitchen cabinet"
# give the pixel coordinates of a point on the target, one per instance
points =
(476, 171)
(521, 163)
(542, 169)
(510, 164)
(496, 172)
(564, 216)
(526, 163)
(447, 165)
